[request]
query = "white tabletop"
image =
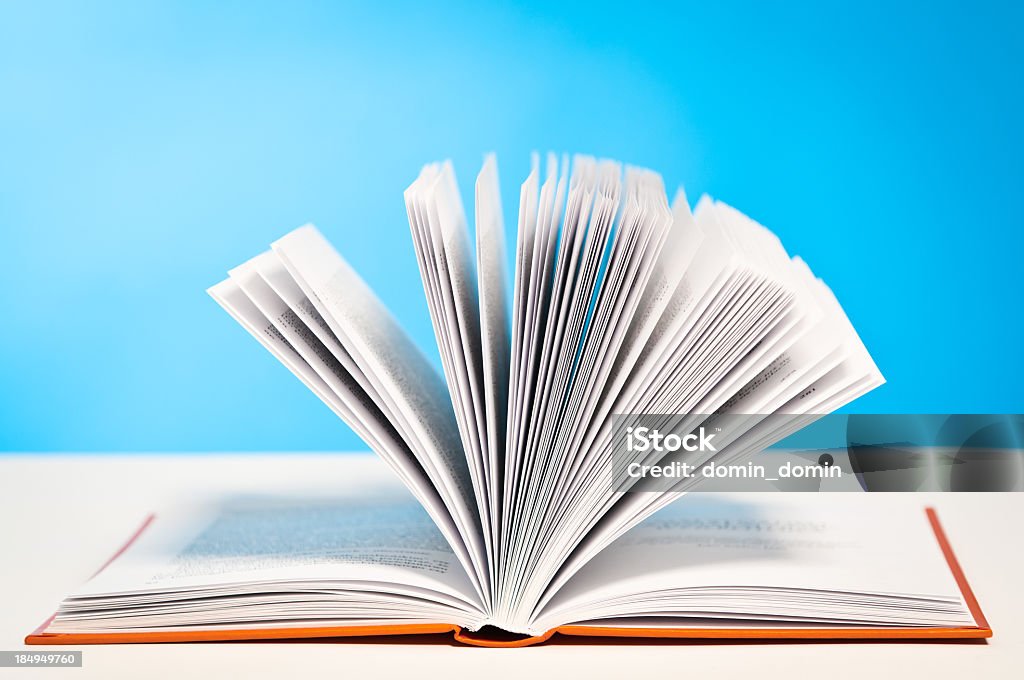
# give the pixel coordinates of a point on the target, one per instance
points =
(62, 516)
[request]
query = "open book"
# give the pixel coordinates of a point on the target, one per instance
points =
(620, 304)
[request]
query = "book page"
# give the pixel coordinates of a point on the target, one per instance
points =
(416, 394)
(824, 372)
(279, 328)
(583, 371)
(440, 233)
(863, 555)
(388, 541)
(494, 327)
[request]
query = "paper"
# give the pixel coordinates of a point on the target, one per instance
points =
(620, 305)
(733, 556)
(250, 562)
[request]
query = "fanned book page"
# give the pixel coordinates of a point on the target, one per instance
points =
(621, 302)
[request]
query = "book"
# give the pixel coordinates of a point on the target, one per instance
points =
(520, 523)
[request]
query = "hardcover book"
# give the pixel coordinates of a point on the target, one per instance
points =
(520, 523)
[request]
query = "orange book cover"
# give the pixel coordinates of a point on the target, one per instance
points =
(981, 629)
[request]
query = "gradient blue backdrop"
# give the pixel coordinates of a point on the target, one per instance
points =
(146, 147)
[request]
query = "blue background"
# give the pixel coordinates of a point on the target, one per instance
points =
(145, 148)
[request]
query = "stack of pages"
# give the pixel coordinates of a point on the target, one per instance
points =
(620, 304)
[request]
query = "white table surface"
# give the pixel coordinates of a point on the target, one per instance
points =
(62, 516)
